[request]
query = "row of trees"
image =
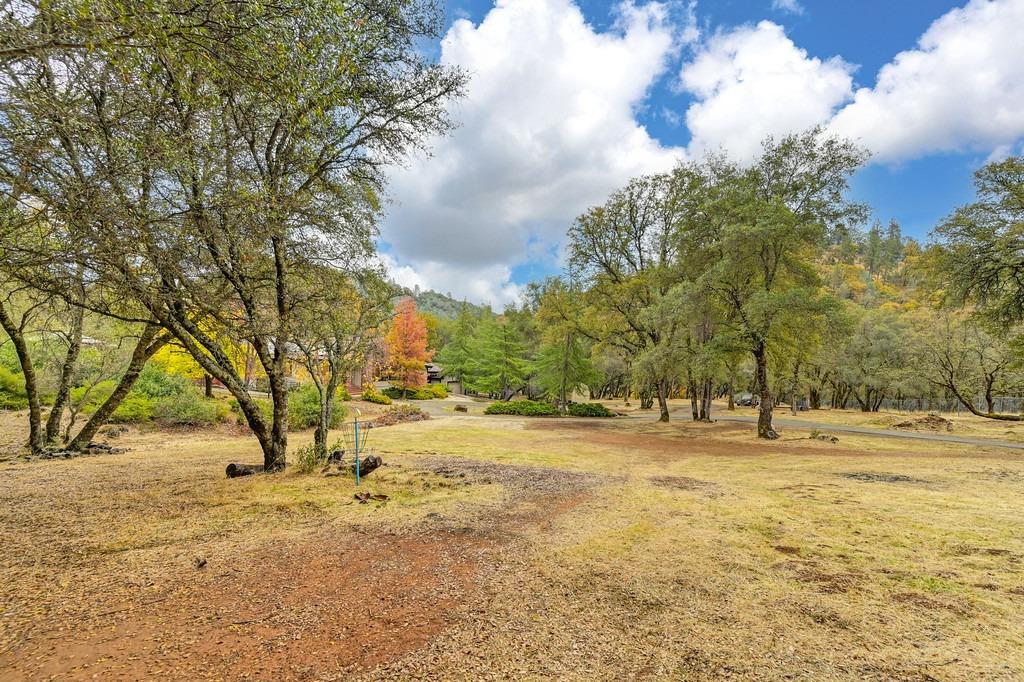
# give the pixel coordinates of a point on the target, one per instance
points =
(206, 174)
(720, 277)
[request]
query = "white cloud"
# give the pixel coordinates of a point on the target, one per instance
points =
(961, 89)
(548, 128)
(791, 6)
(752, 82)
(489, 285)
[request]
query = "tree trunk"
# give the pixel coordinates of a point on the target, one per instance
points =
(208, 385)
(276, 446)
(708, 397)
(764, 414)
(563, 387)
(327, 397)
(691, 390)
(814, 398)
(150, 341)
(663, 401)
(35, 430)
(646, 399)
(705, 400)
(67, 374)
(794, 388)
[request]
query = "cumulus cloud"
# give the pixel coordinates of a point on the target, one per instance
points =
(961, 89)
(548, 127)
(752, 82)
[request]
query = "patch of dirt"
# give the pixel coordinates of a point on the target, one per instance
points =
(283, 611)
(967, 550)
(686, 483)
(786, 549)
(1001, 475)
(826, 581)
(824, 616)
(928, 603)
(519, 481)
(327, 603)
(869, 477)
(931, 422)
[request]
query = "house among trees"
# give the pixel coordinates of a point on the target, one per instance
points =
(436, 375)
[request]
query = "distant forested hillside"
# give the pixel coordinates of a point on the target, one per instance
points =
(441, 305)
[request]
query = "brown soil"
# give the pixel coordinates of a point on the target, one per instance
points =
(686, 483)
(327, 602)
(283, 611)
(931, 422)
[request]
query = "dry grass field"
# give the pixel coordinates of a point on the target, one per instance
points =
(512, 548)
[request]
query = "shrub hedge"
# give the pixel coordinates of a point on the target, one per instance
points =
(304, 408)
(188, 408)
(428, 392)
(421, 393)
(523, 408)
(589, 410)
(12, 390)
(372, 395)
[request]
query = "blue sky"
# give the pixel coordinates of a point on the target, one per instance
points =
(567, 100)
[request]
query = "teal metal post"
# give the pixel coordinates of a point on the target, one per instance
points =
(356, 422)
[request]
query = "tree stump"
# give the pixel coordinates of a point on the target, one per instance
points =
(235, 469)
(367, 465)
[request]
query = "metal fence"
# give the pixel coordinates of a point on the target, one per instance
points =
(1001, 405)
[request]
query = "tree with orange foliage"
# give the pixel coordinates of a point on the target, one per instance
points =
(407, 346)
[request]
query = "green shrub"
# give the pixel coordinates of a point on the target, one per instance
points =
(589, 410)
(155, 382)
(523, 408)
(371, 395)
(412, 393)
(89, 398)
(266, 406)
(188, 408)
(438, 390)
(304, 408)
(134, 409)
(343, 394)
(12, 390)
(9, 358)
(308, 458)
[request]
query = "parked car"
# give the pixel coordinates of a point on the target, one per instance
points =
(745, 400)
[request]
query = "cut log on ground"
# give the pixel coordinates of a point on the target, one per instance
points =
(366, 465)
(235, 469)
